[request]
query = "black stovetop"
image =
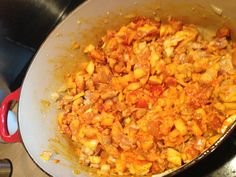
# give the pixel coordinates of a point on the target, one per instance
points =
(25, 24)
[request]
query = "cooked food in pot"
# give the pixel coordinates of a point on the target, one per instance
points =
(152, 97)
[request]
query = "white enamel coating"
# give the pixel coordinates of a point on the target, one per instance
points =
(37, 127)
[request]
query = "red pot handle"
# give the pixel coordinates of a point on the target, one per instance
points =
(5, 107)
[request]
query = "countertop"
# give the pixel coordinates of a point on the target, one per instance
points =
(23, 166)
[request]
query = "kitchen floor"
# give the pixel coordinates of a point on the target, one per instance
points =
(23, 166)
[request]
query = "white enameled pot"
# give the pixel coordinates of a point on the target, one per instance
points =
(36, 127)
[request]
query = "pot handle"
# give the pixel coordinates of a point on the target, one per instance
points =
(5, 107)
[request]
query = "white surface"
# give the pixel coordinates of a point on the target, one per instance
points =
(36, 128)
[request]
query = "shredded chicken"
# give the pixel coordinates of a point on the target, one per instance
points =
(152, 97)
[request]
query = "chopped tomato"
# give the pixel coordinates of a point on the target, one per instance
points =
(156, 89)
(170, 81)
(141, 104)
